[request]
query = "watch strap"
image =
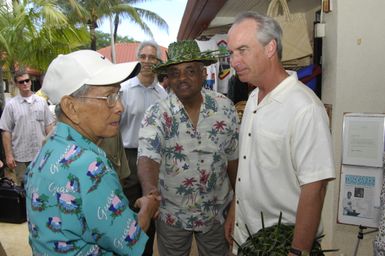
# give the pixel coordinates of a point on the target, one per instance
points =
(298, 252)
(295, 251)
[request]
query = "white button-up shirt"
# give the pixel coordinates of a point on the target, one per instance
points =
(136, 99)
(26, 118)
(285, 142)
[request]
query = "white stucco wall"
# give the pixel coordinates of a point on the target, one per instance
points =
(353, 81)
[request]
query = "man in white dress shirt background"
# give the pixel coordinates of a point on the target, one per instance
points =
(138, 94)
(25, 122)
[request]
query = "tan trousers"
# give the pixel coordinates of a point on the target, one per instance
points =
(17, 174)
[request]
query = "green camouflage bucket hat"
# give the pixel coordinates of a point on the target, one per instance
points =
(185, 51)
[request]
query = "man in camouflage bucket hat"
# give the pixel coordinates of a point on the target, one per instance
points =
(185, 51)
(188, 154)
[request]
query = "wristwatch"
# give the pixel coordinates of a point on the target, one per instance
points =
(298, 252)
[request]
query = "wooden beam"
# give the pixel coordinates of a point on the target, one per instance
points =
(197, 17)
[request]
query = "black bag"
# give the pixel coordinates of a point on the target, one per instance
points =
(12, 202)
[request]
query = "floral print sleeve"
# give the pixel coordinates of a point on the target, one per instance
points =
(75, 203)
(152, 138)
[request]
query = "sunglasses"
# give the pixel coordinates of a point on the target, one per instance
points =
(24, 81)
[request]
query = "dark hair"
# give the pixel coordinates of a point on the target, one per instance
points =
(268, 28)
(20, 72)
(161, 77)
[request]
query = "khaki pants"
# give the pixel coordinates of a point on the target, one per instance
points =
(17, 174)
(177, 242)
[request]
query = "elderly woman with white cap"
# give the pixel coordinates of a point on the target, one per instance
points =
(75, 203)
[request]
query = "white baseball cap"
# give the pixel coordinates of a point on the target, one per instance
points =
(67, 73)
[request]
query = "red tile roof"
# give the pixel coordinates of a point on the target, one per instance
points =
(126, 52)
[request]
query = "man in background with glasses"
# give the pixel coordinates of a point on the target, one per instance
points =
(25, 122)
(138, 94)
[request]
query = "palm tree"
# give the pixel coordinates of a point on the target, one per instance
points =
(136, 15)
(33, 32)
(104, 39)
(92, 12)
(4, 47)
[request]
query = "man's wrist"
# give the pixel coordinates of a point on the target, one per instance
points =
(153, 191)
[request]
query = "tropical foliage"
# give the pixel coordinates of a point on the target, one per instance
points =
(275, 241)
(104, 39)
(93, 12)
(33, 32)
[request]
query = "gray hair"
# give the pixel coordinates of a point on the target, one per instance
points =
(58, 111)
(76, 94)
(151, 43)
(268, 28)
(81, 91)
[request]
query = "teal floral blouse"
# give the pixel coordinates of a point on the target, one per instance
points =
(75, 204)
(193, 179)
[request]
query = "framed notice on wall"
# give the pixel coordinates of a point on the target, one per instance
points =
(359, 201)
(363, 139)
(362, 169)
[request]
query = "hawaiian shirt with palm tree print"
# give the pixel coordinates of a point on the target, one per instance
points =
(193, 180)
(75, 203)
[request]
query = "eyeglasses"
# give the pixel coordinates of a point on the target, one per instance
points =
(24, 81)
(111, 99)
(144, 57)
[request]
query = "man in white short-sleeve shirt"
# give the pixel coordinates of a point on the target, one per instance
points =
(285, 155)
(25, 122)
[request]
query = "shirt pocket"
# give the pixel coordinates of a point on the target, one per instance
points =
(269, 148)
(38, 115)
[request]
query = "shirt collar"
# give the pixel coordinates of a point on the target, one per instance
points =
(134, 82)
(70, 134)
(209, 104)
(279, 92)
(31, 99)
